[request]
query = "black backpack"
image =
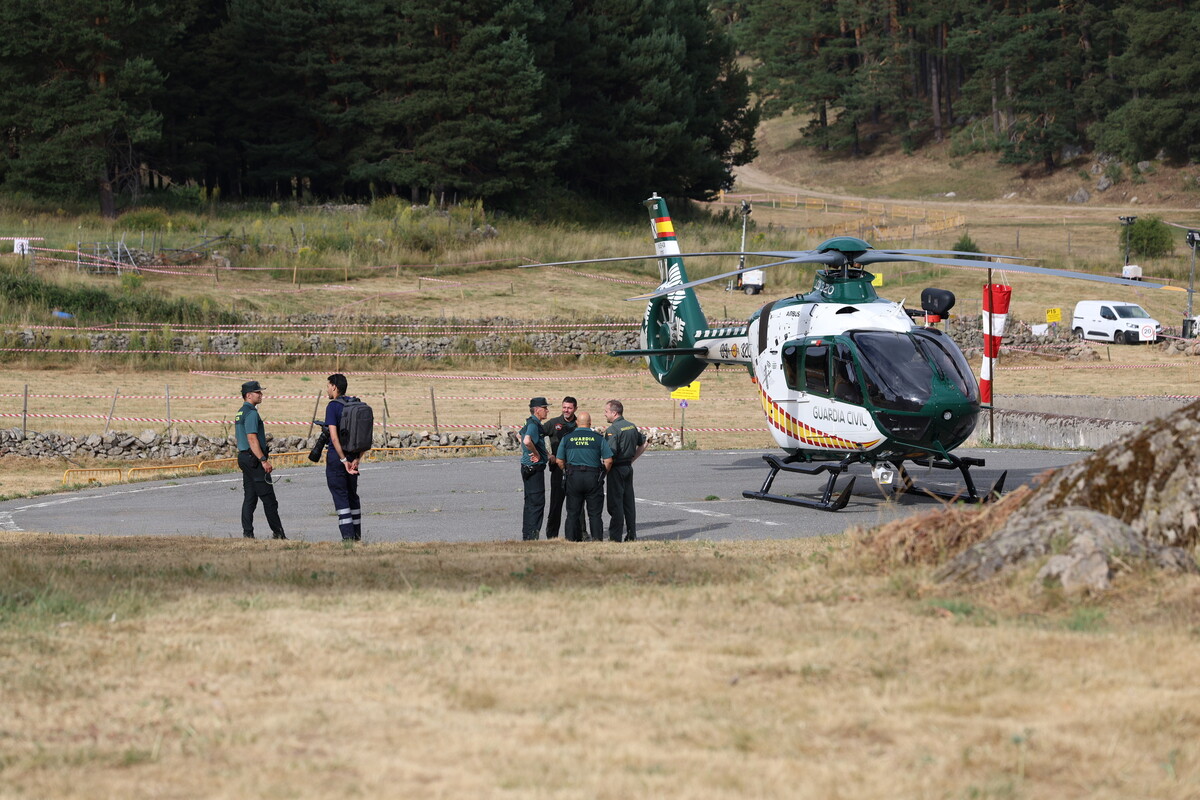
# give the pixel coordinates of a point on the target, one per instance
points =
(357, 425)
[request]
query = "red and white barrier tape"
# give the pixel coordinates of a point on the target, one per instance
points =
(409, 425)
(370, 330)
(1095, 366)
(37, 350)
(234, 397)
(603, 277)
(427, 375)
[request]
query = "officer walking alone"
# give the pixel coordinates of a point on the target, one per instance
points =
(584, 457)
(341, 465)
(533, 469)
(627, 443)
(254, 460)
(555, 429)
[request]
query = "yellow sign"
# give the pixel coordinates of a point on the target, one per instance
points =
(877, 280)
(689, 392)
(1053, 315)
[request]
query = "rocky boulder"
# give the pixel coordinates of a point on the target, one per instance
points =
(1086, 549)
(1146, 479)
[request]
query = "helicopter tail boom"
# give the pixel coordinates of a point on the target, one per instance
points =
(674, 320)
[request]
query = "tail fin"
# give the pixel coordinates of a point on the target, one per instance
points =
(672, 321)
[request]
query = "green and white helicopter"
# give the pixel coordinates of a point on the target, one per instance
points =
(844, 377)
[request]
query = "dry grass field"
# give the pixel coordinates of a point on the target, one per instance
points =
(180, 668)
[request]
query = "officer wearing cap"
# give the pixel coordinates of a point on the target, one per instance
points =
(533, 469)
(584, 457)
(628, 443)
(254, 460)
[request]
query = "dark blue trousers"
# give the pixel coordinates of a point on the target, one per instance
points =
(344, 488)
(534, 481)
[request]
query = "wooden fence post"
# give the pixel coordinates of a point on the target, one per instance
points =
(312, 422)
(385, 409)
(111, 409)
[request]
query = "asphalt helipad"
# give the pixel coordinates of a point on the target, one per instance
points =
(680, 495)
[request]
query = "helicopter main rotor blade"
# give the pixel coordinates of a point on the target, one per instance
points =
(629, 258)
(951, 253)
(866, 258)
(832, 258)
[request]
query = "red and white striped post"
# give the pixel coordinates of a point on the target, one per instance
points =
(996, 297)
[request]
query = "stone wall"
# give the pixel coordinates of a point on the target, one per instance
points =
(566, 340)
(149, 444)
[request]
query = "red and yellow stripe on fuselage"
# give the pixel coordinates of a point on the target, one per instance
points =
(805, 435)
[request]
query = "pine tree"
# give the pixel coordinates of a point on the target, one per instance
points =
(656, 100)
(1028, 67)
(81, 80)
(1158, 71)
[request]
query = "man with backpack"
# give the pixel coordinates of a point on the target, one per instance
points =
(350, 424)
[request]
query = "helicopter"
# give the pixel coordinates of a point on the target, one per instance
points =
(843, 376)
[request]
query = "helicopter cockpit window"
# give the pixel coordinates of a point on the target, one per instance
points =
(816, 368)
(898, 374)
(791, 366)
(845, 380)
(949, 360)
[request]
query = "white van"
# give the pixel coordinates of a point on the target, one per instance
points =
(1112, 321)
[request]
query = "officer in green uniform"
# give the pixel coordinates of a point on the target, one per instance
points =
(555, 429)
(254, 460)
(584, 457)
(627, 443)
(533, 469)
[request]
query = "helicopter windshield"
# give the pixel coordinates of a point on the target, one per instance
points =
(898, 374)
(899, 367)
(949, 360)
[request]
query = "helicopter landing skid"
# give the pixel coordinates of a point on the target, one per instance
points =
(827, 502)
(963, 465)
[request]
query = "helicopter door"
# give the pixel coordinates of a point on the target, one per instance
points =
(816, 369)
(845, 379)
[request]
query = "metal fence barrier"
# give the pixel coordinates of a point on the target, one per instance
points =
(90, 475)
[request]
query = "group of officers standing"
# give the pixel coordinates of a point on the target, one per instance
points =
(580, 460)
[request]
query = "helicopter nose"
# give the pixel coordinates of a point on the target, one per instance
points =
(951, 425)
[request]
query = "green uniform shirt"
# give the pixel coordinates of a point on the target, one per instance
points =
(247, 420)
(532, 429)
(624, 438)
(583, 447)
